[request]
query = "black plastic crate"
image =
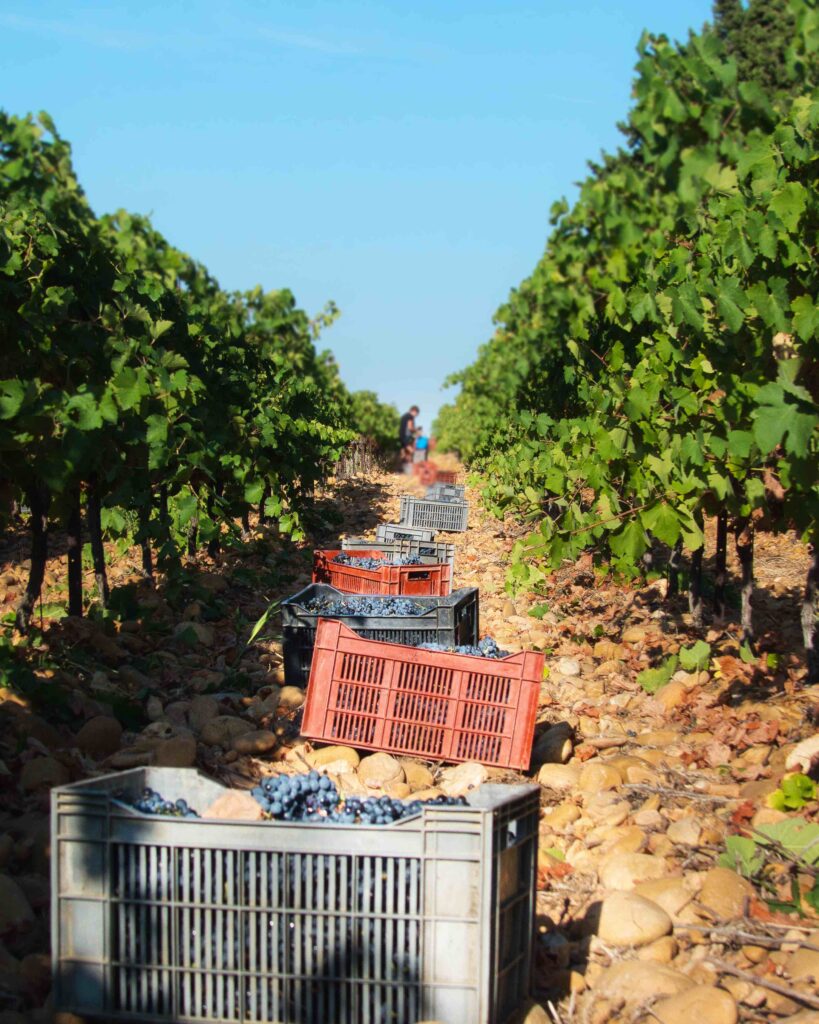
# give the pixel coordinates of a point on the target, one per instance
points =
(450, 620)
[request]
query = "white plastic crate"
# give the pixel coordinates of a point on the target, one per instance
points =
(191, 921)
(431, 552)
(448, 516)
(401, 531)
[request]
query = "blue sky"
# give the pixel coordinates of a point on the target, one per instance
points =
(399, 158)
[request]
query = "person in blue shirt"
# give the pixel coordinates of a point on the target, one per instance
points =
(421, 446)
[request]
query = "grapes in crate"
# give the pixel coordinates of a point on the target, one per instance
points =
(375, 563)
(485, 648)
(314, 798)
(363, 605)
(151, 802)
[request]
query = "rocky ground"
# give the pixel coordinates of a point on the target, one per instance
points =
(637, 918)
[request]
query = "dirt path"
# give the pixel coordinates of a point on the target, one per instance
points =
(639, 791)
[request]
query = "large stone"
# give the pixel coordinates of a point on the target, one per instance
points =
(418, 776)
(671, 696)
(568, 667)
(100, 737)
(672, 894)
(16, 915)
(323, 756)
(203, 708)
(559, 776)
(222, 730)
(704, 1004)
(804, 963)
(35, 974)
(177, 752)
(561, 817)
(636, 981)
(377, 770)
(260, 741)
(291, 697)
(630, 920)
(234, 805)
(195, 634)
(462, 778)
(726, 893)
(597, 777)
(686, 832)
(554, 746)
(624, 871)
(42, 773)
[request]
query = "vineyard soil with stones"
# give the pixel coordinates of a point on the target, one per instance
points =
(650, 800)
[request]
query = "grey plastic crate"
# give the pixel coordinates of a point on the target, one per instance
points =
(446, 492)
(400, 531)
(431, 552)
(192, 921)
(447, 620)
(451, 517)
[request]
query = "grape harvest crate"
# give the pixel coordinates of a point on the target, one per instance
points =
(402, 700)
(448, 516)
(446, 476)
(400, 531)
(431, 552)
(446, 492)
(201, 921)
(426, 472)
(412, 580)
(446, 620)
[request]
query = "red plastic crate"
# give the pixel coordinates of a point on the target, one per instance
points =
(446, 476)
(420, 580)
(404, 700)
(426, 472)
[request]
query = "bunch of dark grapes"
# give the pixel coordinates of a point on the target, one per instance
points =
(375, 563)
(486, 648)
(314, 798)
(363, 605)
(151, 802)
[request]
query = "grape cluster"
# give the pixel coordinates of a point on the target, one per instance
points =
(486, 648)
(363, 605)
(151, 802)
(375, 563)
(314, 798)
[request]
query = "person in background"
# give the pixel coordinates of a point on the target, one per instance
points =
(421, 446)
(406, 437)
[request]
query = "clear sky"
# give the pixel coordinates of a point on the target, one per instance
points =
(396, 156)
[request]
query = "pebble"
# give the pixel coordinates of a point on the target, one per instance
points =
(635, 981)
(630, 920)
(462, 778)
(42, 773)
(153, 708)
(726, 893)
(702, 1003)
(292, 697)
(559, 776)
(634, 634)
(625, 871)
(597, 776)
(568, 667)
(259, 741)
(804, 963)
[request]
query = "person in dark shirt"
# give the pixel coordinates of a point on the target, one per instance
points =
(406, 436)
